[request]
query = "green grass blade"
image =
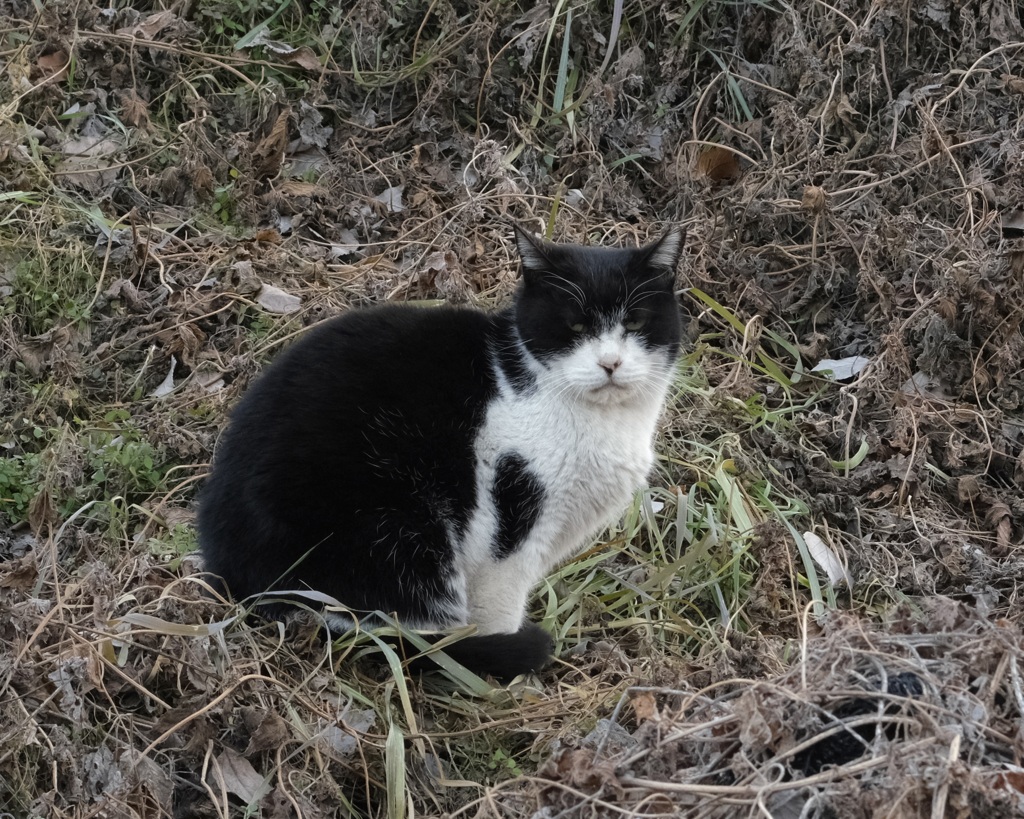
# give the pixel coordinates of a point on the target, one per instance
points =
(720, 310)
(471, 683)
(558, 103)
(254, 33)
(687, 21)
(394, 772)
(854, 461)
(819, 604)
(613, 36)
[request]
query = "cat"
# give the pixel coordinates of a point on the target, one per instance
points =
(438, 462)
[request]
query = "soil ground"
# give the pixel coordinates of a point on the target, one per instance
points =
(815, 611)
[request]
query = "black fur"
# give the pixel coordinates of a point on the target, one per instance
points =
(511, 362)
(518, 496)
(355, 447)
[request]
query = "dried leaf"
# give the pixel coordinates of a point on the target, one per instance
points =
(126, 290)
(244, 278)
(1003, 532)
(41, 511)
(443, 271)
(203, 182)
(924, 386)
(87, 162)
(1000, 517)
(814, 199)
(347, 244)
(1014, 85)
(392, 198)
(19, 575)
(150, 775)
(577, 768)
(209, 378)
(183, 340)
(268, 154)
(312, 131)
(644, 706)
(296, 188)
(275, 300)
(341, 739)
(54, 65)
(761, 725)
(268, 236)
(240, 777)
(151, 26)
(968, 488)
(1012, 779)
(718, 164)
(281, 804)
(272, 733)
(611, 737)
(134, 110)
(304, 57)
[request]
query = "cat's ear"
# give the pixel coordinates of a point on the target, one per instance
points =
(664, 254)
(533, 252)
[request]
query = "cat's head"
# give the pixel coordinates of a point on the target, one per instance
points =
(603, 322)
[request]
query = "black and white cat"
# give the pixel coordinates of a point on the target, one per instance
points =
(437, 463)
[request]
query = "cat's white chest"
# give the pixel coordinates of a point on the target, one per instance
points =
(590, 459)
(557, 460)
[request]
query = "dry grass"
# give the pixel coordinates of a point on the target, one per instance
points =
(850, 175)
(941, 740)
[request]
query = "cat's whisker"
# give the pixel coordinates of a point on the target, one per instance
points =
(637, 295)
(574, 286)
(577, 298)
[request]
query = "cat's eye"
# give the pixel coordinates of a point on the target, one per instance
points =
(634, 323)
(577, 326)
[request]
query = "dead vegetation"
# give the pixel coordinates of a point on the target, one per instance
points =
(816, 609)
(865, 724)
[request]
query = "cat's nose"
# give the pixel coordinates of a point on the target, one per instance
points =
(610, 364)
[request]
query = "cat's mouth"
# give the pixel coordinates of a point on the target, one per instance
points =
(610, 391)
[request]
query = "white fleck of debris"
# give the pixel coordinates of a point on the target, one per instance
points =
(574, 197)
(842, 369)
(392, 198)
(924, 386)
(275, 300)
(166, 387)
(828, 560)
(347, 245)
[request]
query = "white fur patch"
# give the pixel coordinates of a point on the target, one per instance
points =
(587, 436)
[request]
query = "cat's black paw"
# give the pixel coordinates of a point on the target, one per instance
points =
(537, 647)
(502, 656)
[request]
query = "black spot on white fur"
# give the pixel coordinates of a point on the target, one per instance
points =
(518, 496)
